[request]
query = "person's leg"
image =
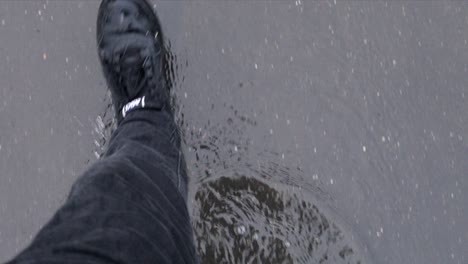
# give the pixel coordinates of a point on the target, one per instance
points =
(129, 207)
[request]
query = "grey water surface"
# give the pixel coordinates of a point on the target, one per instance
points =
(314, 131)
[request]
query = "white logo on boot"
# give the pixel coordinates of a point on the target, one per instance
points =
(135, 103)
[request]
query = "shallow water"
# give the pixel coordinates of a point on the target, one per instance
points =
(315, 132)
(355, 108)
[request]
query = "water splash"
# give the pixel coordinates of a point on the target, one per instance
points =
(240, 219)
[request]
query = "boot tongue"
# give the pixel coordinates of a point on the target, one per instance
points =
(133, 73)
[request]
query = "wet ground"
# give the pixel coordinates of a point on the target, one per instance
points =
(315, 132)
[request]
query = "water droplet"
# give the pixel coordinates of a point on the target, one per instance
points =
(241, 230)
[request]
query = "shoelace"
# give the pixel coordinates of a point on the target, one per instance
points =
(134, 69)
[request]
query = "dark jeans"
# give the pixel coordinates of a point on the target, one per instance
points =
(129, 207)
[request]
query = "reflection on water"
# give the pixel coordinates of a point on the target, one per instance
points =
(240, 219)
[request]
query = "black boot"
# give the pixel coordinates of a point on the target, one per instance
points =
(130, 47)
